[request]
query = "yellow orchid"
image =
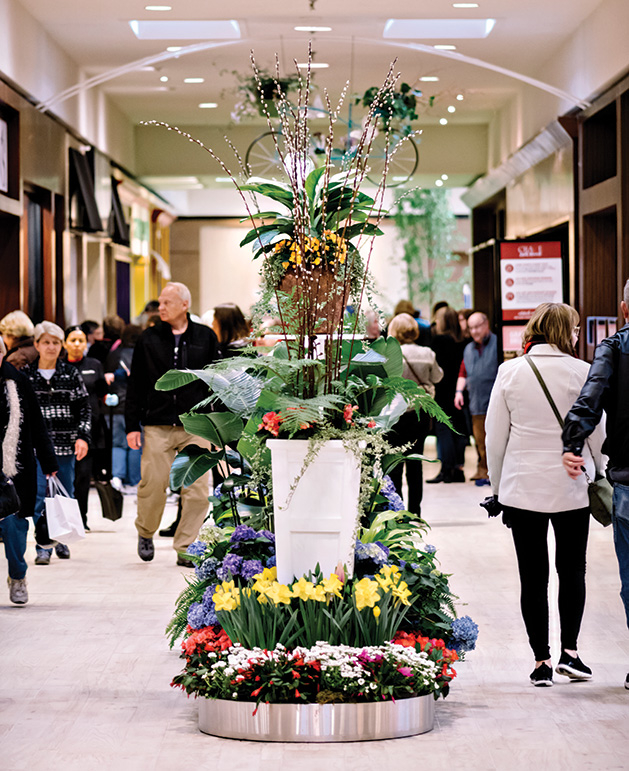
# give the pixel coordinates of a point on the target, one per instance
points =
(333, 585)
(303, 589)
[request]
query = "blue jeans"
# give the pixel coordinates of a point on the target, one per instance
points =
(65, 475)
(14, 530)
(125, 462)
(620, 524)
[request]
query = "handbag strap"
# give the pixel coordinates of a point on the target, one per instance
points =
(551, 401)
(418, 380)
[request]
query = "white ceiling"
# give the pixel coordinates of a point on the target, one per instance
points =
(97, 36)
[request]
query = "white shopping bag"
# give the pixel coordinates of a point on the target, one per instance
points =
(62, 514)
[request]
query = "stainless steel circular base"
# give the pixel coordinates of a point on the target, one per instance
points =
(317, 722)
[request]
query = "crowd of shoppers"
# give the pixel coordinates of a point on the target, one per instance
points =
(54, 421)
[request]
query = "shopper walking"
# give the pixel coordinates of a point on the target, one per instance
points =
(231, 329)
(63, 400)
(448, 346)
(176, 342)
(477, 375)
(421, 366)
(606, 390)
(524, 449)
(16, 329)
(22, 433)
(91, 371)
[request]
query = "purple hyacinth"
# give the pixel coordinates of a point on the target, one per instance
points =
(243, 533)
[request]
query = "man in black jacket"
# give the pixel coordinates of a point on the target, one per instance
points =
(175, 342)
(606, 390)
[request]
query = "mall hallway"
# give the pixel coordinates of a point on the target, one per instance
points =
(85, 667)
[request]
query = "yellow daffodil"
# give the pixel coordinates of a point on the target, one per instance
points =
(267, 574)
(303, 589)
(318, 593)
(226, 596)
(285, 264)
(366, 593)
(333, 585)
(402, 592)
(376, 611)
(384, 582)
(279, 593)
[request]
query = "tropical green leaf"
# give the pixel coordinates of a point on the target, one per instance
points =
(274, 192)
(191, 463)
(220, 428)
(175, 378)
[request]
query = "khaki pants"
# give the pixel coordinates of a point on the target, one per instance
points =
(161, 444)
(478, 429)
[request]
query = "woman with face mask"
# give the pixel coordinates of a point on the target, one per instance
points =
(91, 371)
(63, 400)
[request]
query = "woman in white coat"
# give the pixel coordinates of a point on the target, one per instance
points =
(524, 450)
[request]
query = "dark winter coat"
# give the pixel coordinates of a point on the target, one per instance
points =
(94, 378)
(153, 356)
(33, 438)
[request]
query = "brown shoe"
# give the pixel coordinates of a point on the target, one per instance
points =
(184, 563)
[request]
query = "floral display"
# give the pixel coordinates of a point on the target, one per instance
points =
(409, 666)
(383, 625)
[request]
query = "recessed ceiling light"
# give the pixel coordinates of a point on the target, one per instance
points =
(208, 105)
(444, 176)
(148, 68)
(445, 47)
(429, 79)
(173, 49)
(407, 29)
(158, 7)
(465, 5)
(439, 182)
(194, 80)
(164, 78)
(459, 97)
(313, 65)
(193, 29)
(451, 108)
(443, 121)
(312, 29)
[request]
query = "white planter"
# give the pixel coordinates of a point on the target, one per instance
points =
(317, 722)
(314, 524)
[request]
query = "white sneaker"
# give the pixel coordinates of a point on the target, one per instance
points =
(116, 483)
(18, 592)
(130, 490)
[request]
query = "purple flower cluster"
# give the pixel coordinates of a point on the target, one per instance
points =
(207, 569)
(201, 614)
(463, 634)
(197, 548)
(243, 533)
(230, 567)
(391, 494)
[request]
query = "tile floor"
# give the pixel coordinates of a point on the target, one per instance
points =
(85, 668)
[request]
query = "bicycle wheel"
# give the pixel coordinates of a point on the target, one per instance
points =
(262, 157)
(403, 158)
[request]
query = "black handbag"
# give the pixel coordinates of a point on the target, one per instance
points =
(111, 500)
(600, 492)
(9, 499)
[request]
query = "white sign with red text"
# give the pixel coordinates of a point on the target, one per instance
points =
(530, 273)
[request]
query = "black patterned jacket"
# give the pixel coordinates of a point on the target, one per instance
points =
(64, 404)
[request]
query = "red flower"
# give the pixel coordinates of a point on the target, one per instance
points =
(348, 413)
(371, 424)
(271, 422)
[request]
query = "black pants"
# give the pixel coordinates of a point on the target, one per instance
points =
(410, 429)
(530, 536)
(82, 478)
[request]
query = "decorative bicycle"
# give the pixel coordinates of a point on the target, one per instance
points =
(263, 157)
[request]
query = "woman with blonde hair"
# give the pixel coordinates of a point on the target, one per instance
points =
(421, 366)
(17, 329)
(524, 454)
